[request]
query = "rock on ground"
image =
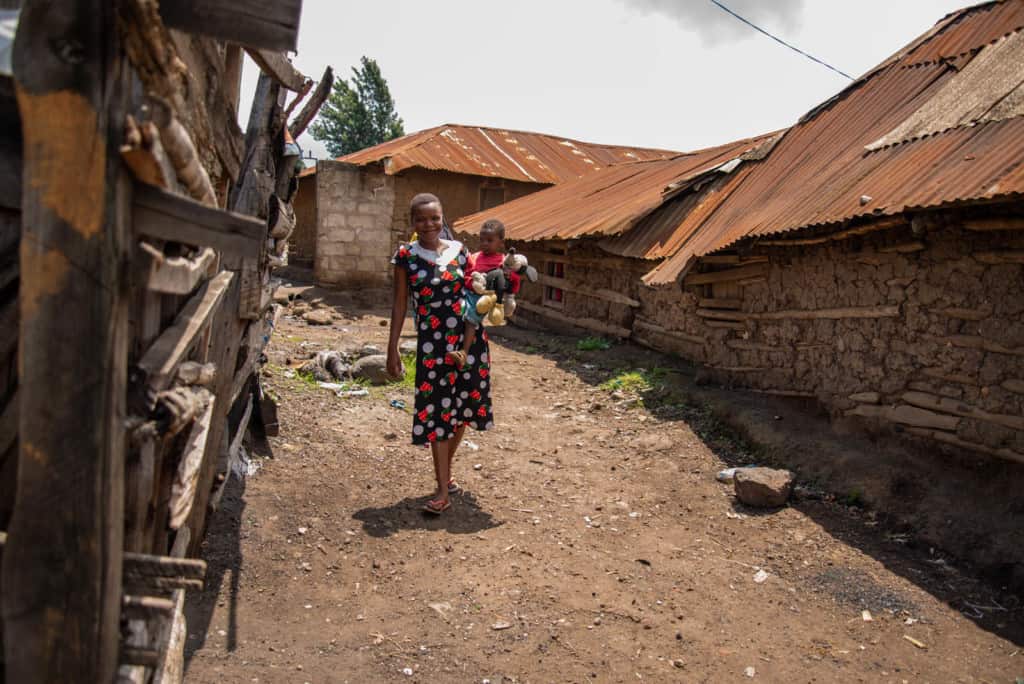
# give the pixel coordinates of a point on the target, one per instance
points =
(763, 487)
(372, 368)
(319, 317)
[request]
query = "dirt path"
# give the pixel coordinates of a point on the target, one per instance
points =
(593, 544)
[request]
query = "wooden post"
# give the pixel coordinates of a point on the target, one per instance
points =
(62, 565)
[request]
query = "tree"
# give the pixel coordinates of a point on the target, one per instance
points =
(359, 115)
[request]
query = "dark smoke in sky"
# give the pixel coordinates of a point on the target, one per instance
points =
(715, 25)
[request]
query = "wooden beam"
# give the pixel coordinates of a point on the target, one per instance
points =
(722, 315)
(952, 440)
(175, 218)
(266, 24)
(586, 323)
(140, 566)
(719, 303)
(995, 223)
(727, 275)
(61, 599)
(277, 66)
(146, 607)
(958, 408)
(601, 293)
(674, 334)
(178, 275)
(183, 489)
(313, 105)
(883, 311)
(160, 362)
(1009, 256)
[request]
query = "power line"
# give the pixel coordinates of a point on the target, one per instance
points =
(779, 40)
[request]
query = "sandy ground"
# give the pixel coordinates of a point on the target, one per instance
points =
(592, 543)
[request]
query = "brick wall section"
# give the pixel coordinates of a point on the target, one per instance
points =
(302, 243)
(354, 207)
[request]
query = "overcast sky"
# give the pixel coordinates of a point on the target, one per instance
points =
(673, 74)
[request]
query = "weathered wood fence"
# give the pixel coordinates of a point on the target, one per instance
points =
(138, 229)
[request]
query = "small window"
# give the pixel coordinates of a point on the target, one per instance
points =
(491, 196)
(554, 296)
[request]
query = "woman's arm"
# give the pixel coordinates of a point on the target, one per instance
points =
(399, 307)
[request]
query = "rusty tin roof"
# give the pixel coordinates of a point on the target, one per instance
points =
(500, 153)
(608, 202)
(922, 130)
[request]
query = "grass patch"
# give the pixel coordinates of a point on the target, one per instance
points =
(593, 344)
(637, 381)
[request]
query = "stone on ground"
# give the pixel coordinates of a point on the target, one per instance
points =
(373, 369)
(763, 487)
(319, 317)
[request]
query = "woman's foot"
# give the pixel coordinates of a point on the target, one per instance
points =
(437, 506)
(453, 486)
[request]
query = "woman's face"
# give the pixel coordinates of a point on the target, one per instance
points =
(427, 220)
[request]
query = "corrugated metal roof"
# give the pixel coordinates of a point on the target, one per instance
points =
(608, 202)
(499, 153)
(820, 169)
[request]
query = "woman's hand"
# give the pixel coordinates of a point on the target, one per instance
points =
(395, 368)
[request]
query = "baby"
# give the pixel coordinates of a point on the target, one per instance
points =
(489, 260)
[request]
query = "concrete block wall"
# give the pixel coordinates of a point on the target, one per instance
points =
(354, 209)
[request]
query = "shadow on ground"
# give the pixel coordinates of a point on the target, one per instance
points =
(408, 514)
(916, 511)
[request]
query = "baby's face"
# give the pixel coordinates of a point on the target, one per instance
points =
(490, 243)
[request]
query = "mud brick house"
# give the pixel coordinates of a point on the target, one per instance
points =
(352, 212)
(871, 257)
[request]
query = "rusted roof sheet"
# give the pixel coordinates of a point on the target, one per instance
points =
(821, 169)
(498, 153)
(608, 202)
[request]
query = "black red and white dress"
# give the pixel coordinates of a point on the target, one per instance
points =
(445, 396)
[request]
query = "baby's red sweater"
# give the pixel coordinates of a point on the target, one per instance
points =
(482, 263)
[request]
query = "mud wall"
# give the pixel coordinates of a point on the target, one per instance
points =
(302, 243)
(921, 330)
(354, 206)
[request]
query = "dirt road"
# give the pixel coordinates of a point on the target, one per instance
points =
(593, 543)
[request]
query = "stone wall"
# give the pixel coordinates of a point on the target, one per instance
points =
(302, 243)
(919, 330)
(354, 207)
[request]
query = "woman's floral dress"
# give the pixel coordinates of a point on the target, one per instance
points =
(445, 396)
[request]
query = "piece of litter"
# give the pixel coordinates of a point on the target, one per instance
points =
(498, 626)
(750, 672)
(727, 475)
(363, 392)
(865, 615)
(478, 466)
(914, 641)
(398, 404)
(441, 609)
(303, 530)
(333, 386)
(472, 446)
(407, 672)
(910, 621)
(760, 576)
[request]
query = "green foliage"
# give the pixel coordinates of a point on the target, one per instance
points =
(358, 115)
(637, 381)
(593, 344)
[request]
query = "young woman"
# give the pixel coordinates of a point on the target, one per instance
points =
(448, 398)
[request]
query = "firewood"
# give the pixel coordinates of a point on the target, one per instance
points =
(182, 153)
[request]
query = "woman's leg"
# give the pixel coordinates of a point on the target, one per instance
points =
(453, 445)
(442, 467)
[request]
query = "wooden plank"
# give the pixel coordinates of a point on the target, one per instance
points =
(183, 489)
(729, 325)
(146, 657)
(903, 248)
(978, 342)
(170, 669)
(884, 311)
(601, 293)
(740, 273)
(952, 440)
(278, 67)
(1008, 256)
(145, 607)
(719, 303)
(61, 599)
(906, 415)
(141, 566)
(175, 218)
(178, 275)
(313, 105)
(959, 408)
(161, 360)
(266, 24)
(995, 223)
(722, 315)
(586, 323)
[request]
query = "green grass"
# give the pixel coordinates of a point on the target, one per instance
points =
(593, 344)
(637, 381)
